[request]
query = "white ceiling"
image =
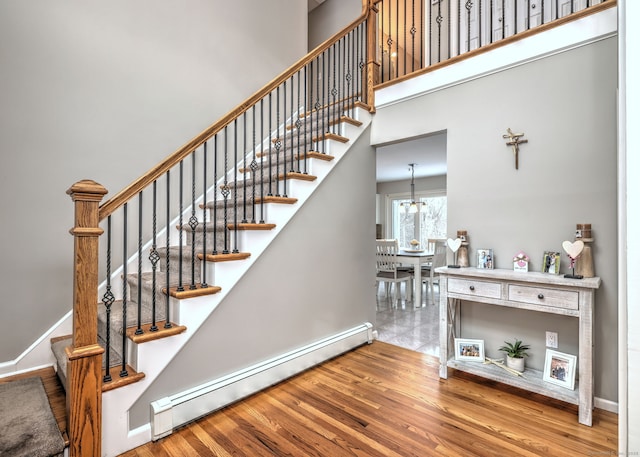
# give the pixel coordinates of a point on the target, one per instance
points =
(428, 153)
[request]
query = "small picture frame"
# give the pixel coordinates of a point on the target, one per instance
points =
(560, 369)
(469, 350)
(485, 259)
(551, 262)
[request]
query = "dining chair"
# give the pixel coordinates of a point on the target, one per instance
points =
(387, 269)
(429, 277)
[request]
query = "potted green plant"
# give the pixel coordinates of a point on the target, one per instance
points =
(516, 352)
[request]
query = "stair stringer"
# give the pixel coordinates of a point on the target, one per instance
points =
(153, 357)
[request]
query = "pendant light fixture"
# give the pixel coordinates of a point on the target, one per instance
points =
(413, 206)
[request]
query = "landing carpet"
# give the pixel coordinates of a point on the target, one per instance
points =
(27, 425)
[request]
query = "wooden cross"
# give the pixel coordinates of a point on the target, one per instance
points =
(514, 142)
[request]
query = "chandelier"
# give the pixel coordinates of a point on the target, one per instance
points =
(412, 207)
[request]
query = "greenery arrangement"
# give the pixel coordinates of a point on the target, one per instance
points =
(517, 350)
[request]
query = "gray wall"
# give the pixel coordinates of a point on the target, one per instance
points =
(566, 106)
(330, 17)
(105, 91)
(314, 280)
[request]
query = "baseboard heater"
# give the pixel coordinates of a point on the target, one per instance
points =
(176, 410)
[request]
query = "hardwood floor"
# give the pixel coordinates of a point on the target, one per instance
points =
(383, 400)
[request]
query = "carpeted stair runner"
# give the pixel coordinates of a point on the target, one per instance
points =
(27, 425)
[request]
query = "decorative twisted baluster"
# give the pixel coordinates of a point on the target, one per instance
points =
(154, 258)
(193, 221)
(107, 299)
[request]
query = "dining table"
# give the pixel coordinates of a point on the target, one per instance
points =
(417, 258)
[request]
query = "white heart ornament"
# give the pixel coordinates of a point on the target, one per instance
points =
(573, 249)
(454, 245)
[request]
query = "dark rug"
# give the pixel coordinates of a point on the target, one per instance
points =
(27, 425)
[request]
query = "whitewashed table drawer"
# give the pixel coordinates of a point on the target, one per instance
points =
(474, 288)
(567, 299)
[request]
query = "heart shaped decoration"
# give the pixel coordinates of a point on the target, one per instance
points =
(573, 249)
(454, 245)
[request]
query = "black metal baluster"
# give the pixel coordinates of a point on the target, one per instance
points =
(123, 369)
(270, 193)
(439, 21)
(215, 195)
(448, 29)
(283, 137)
(422, 25)
(397, 40)
(235, 186)
(413, 31)
(383, 12)
(542, 12)
(180, 196)
(244, 161)
(278, 143)
(139, 295)
(334, 90)
(490, 21)
(304, 104)
(504, 19)
(154, 258)
(203, 282)
(325, 108)
(108, 300)
(479, 24)
(262, 160)
(528, 24)
(404, 37)
(167, 298)
(254, 166)
(468, 6)
(298, 124)
(225, 194)
(515, 17)
(316, 106)
(460, 26)
(193, 221)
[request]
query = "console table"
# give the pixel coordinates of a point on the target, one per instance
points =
(542, 292)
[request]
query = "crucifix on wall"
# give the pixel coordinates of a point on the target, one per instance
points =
(515, 140)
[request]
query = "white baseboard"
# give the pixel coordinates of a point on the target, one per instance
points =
(176, 410)
(606, 405)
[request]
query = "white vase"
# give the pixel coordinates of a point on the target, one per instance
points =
(516, 363)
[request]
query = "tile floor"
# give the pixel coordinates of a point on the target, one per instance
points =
(406, 326)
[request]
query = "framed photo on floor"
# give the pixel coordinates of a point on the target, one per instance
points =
(560, 369)
(469, 350)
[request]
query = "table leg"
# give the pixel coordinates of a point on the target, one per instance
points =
(417, 285)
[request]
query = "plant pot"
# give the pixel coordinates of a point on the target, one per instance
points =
(516, 363)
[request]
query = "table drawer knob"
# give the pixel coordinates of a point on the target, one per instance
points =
(472, 288)
(540, 296)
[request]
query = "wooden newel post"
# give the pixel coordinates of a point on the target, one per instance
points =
(84, 368)
(373, 66)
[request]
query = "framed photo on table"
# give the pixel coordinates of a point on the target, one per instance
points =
(484, 258)
(469, 350)
(560, 369)
(551, 262)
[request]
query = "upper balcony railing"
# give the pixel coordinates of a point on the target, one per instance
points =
(417, 35)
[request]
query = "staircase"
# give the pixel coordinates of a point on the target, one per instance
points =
(242, 231)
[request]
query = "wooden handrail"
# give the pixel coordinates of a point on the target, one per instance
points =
(141, 183)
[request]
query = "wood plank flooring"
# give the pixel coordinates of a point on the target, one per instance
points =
(383, 400)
